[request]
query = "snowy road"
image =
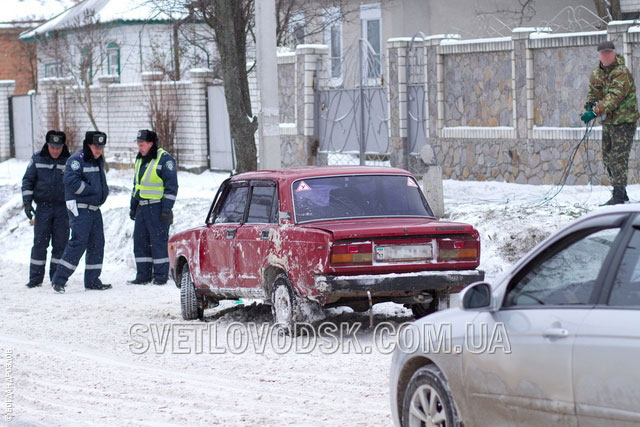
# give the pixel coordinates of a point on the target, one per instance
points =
(70, 359)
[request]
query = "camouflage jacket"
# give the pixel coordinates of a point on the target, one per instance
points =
(614, 90)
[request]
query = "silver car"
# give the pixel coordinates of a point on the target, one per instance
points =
(556, 341)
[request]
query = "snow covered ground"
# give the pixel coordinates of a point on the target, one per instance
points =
(71, 360)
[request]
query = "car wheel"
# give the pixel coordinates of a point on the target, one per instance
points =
(192, 306)
(428, 401)
(421, 310)
(283, 303)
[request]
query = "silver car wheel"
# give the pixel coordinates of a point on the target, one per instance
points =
(426, 408)
(282, 305)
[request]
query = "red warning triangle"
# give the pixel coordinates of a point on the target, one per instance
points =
(303, 186)
(411, 182)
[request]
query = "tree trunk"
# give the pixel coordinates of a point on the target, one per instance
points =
(616, 12)
(601, 9)
(230, 28)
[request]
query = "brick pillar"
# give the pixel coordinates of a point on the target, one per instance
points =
(309, 68)
(7, 88)
(397, 51)
(522, 81)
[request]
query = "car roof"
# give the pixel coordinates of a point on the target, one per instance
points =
(314, 171)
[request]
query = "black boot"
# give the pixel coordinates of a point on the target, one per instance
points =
(33, 284)
(138, 282)
(58, 288)
(618, 196)
(159, 282)
(97, 286)
(625, 197)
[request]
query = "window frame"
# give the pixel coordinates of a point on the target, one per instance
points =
(275, 206)
(371, 12)
(566, 239)
(306, 178)
(57, 65)
(333, 18)
(225, 193)
(111, 48)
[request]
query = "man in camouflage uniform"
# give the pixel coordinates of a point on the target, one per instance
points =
(612, 97)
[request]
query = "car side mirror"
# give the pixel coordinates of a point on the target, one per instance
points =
(476, 296)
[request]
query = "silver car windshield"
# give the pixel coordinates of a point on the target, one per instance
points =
(358, 196)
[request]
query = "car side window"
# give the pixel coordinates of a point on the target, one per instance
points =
(233, 206)
(626, 287)
(261, 205)
(566, 277)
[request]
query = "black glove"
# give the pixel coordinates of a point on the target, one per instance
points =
(132, 214)
(588, 106)
(28, 210)
(167, 217)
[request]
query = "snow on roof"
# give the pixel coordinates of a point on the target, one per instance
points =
(20, 11)
(106, 11)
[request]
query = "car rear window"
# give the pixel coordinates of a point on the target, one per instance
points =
(358, 196)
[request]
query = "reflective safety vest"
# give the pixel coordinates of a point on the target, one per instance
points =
(152, 186)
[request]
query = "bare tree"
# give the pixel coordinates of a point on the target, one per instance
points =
(59, 115)
(161, 103)
(79, 51)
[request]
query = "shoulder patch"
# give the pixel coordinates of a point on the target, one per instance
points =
(75, 165)
(169, 165)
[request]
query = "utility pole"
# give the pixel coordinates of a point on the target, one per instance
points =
(268, 116)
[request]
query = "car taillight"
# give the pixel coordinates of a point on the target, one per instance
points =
(352, 253)
(458, 250)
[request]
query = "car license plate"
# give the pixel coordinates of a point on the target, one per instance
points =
(403, 253)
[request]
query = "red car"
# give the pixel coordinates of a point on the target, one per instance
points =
(324, 237)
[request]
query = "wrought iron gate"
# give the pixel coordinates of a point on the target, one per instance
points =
(351, 118)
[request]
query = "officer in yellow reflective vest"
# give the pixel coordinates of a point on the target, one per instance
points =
(155, 186)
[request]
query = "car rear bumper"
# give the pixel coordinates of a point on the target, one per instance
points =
(452, 280)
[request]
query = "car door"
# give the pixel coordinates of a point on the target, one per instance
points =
(216, 255)
(606, 374)
(544, 305)
(254, 236)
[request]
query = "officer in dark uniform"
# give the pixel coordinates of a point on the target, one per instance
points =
(155, 186)
(43, 184)
(85, 187)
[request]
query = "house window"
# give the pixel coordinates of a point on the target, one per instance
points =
(53, 69)
(371, 18)
(333, 39)
(297, 24)
(113, 59)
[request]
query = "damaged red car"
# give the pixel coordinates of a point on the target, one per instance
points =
(323, 237)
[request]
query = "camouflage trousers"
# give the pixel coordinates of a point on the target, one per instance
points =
(616, 145)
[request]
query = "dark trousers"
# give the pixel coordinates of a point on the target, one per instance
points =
(51, 225)
(616, 145)
(150, 239)
(87, 234)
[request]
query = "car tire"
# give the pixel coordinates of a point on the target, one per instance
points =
(284, 303)
(429, 388)
(192, 306)
(421, 310)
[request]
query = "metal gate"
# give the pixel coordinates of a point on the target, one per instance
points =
(220, 145)
(26, 129)
(351, 108)
(416, 102)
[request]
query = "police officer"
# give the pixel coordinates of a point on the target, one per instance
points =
(43, 184)
(612, 97)
(85, 187)
(155, 186)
